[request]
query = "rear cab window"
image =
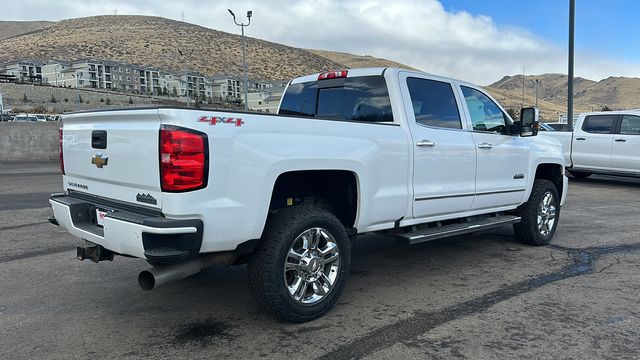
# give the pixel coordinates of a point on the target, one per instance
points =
(361, 99)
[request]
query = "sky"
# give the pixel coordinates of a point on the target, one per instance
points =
(474, 40)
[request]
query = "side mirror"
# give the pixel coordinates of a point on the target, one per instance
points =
(529, 123)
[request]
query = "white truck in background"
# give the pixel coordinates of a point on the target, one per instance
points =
(384, 150)
(606, 142)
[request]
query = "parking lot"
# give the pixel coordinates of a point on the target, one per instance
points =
(483, 296)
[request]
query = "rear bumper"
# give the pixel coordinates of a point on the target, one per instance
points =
(127, 232)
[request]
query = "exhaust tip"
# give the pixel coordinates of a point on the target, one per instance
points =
(146, 280)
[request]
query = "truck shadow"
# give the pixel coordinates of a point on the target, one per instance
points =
(608, 181)
(387, 280)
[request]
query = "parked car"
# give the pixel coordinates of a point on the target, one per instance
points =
(603, 143)
(24, 118)
(6, 117)
(546, 127)
(398, 152)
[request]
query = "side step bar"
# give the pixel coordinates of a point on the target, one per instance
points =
(439, 232)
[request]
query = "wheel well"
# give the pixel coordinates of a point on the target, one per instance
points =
(551, 172)
(334, 190)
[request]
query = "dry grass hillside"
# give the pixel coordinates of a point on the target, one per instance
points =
(155, 41)
(614, 92)
(358, 61)
(14, 28)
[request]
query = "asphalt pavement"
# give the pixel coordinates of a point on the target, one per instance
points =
(484, 296)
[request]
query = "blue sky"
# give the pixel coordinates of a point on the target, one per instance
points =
(474, 40)
(610, 26)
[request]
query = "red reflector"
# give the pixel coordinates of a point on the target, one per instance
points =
(183, 159)
(60, 150)
(333, 75)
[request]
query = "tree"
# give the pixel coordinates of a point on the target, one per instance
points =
(53, 99)
(130, 100)
(66, 99)
(25, 98)
(165, 92)
(174, 92)
(80, 99)
(108, 101)
(606, 108)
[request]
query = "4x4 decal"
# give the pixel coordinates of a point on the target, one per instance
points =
(212, 120)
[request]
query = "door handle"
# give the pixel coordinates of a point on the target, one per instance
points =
(620, 140)
(581, 139)
(427, 143)
(485, 146)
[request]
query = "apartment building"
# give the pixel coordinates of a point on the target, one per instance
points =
(267, 99)
(29, 71)
(226, 87)
(191, 84)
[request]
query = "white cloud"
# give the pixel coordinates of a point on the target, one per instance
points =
(419, 33)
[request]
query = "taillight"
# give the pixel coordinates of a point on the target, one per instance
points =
(60, 150)
(183, 159)
(333, 75)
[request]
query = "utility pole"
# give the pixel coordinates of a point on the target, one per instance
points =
(572, 20)
(537, 83)
(186, 58)
(244, 55)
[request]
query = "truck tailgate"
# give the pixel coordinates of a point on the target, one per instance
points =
(113, 154)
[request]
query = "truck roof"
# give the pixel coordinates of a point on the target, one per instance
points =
(376, 71)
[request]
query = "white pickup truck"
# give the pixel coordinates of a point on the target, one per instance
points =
(605, 142)
(391, 151)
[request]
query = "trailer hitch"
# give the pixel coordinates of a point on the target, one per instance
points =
(94, 253)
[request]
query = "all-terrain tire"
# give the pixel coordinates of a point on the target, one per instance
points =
(529, 230)
(266, 266)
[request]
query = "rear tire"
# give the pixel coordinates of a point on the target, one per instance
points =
(580, 174)
(540, 214)
(302, 263)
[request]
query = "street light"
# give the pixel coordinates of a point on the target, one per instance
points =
(244, 55)
(537, 83)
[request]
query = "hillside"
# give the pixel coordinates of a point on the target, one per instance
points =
(614, 92)
(14, 28)
(358, 61)
(155, 41)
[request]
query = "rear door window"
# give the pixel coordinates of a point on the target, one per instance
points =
(434, 103)
(363, 99)
(599, 124)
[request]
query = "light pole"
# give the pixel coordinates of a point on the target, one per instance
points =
(572, 20)
(537, 83)
(244, 55)
(186, 58)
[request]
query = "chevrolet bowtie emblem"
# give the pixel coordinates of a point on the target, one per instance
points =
(99, 161)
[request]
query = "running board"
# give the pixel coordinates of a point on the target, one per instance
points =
(439, 232)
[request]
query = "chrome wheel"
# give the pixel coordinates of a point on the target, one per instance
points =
(546, 214)
(312, 266)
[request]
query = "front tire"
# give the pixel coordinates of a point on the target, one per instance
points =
(302, 263)
(540, 214)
